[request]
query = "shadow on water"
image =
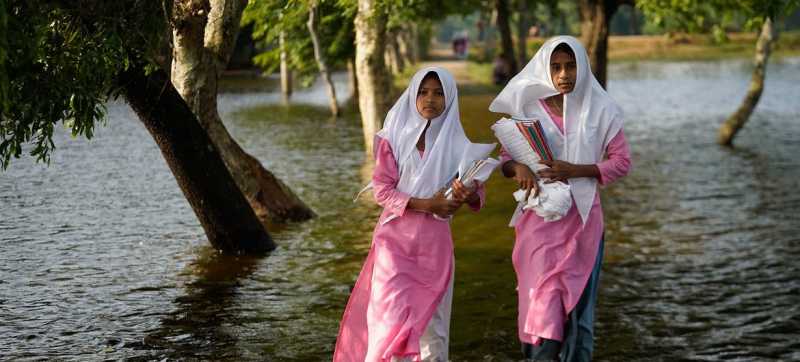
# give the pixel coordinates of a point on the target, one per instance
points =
(204, 312)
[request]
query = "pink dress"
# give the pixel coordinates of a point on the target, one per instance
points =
(407, 271)
(553, 260)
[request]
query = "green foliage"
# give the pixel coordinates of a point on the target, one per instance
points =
(62, 65)
(712, 16)
(404, 11)
(271, 17)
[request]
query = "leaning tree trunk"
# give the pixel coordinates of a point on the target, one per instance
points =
(373, 80)
(223, 211)
(523, 24)
(319, 55)
(595, 16)
(286, 72)
(505, 34)
(737, 120)
(201, 51)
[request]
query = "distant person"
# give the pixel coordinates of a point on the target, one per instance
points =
(464, 45)
(534, 31)
(558, 262)
(460, 43)
(399, 309)
(501, 69)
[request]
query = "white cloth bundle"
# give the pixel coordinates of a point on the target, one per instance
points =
(554, 199)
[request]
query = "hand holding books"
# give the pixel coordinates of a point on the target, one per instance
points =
(475, 165)
(480, 170)
(526, 142)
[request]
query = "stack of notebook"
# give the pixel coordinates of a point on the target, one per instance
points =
(480, 171)
(534, 134)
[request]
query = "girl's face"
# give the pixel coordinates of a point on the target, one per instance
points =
(430, 98)
(563, 71)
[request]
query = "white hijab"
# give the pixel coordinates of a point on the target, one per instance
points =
(445, 141)
(591, 117)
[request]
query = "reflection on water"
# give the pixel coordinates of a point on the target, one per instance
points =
(101, 256)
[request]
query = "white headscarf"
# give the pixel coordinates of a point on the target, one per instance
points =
(445, 141)
(591, 117)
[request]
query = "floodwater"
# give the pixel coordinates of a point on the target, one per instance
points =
(101, 257)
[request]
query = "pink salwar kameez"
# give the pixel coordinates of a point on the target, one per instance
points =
(399, 308)
(553, 260)
(407, 272)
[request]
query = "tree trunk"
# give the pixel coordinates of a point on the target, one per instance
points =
(489, 37)
(405, 45)
(595, 16)
(351, 78)
(373, 80)
(505, 34)
(737, 120)
(523, 24)
(319, 55)
(392, 55)
(286, 72)
(223, 212)
(200, 53)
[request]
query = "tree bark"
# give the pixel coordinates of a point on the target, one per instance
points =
(286, 72)
(392, 56)
(201, 51)
(595, 16)
(373, 80)
(351, 78)
(223, 212)
(505, 34)
(489, 38)
(319, 55)
(736, 121)
(523, 24)
(406, 45)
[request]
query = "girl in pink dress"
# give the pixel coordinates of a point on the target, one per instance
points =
(399, 308)
(558, 262)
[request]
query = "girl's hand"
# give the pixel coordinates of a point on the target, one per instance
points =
(526, 179)
(441, 206)
(464, 194)
(558, 171)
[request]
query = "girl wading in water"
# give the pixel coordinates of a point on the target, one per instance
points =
(399, 309)
(558, 262)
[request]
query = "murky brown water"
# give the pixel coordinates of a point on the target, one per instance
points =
(101, 257)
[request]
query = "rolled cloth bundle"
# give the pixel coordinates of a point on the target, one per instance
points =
(554, 199)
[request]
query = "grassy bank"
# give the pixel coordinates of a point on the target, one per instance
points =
(646, 48)
(675, 47)
(695, 47)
